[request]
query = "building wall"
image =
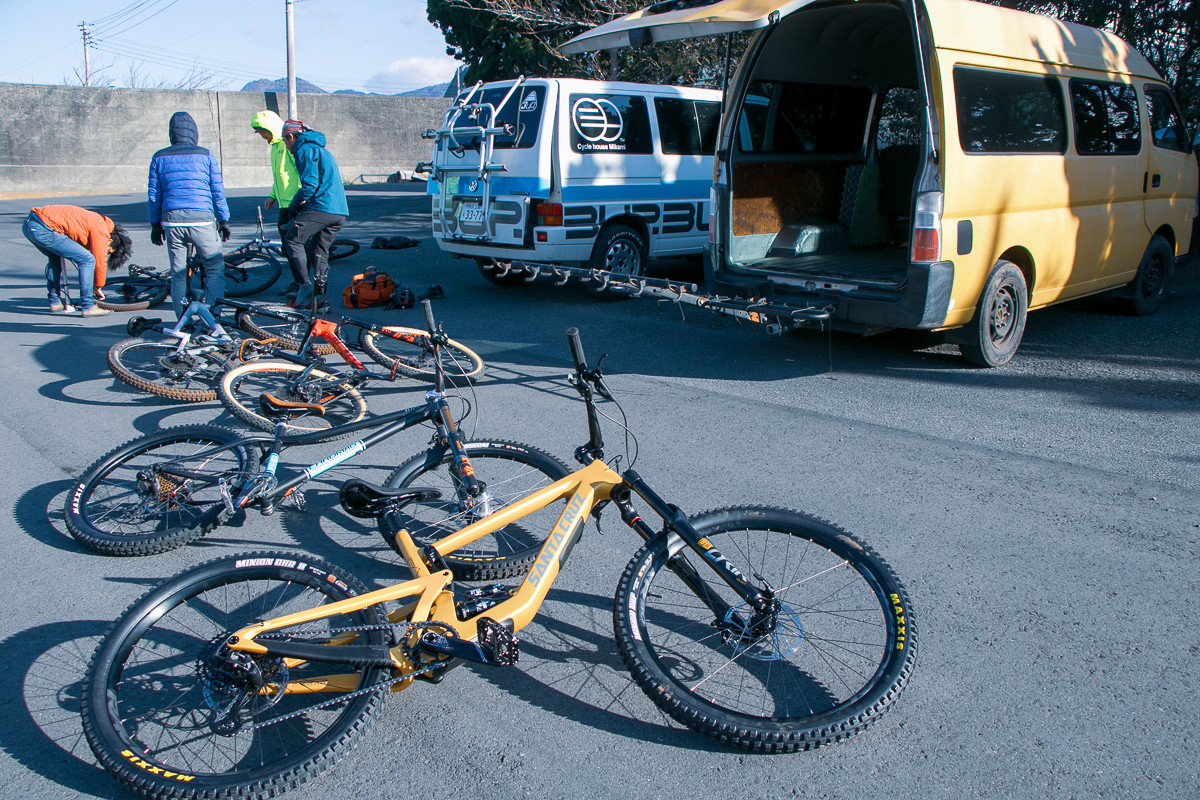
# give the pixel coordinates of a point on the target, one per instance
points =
(60, 140)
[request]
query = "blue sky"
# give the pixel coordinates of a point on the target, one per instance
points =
(385, 46)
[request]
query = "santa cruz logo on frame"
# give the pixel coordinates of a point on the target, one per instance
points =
(598, 122)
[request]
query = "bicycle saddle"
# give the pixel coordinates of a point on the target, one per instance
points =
(272, 405)
(362, 499)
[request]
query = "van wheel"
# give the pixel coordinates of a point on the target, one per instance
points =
(1150, 285)
(497, 275)
(621, 250)
(993, 336)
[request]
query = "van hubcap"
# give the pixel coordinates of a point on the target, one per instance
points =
(1003, 313)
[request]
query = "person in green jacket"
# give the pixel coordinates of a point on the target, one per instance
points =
(284, 179)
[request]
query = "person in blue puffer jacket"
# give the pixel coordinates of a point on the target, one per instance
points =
(187, 204)
(320, 209)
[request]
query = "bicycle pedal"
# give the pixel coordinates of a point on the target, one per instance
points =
(498, 642)
(296, 497)
(495, 646)
(226, 497)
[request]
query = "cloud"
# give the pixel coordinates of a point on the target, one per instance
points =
(414, 72)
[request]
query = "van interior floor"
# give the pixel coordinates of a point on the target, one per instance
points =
(884, 266)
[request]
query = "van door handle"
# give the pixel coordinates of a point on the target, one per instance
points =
(1156, 181)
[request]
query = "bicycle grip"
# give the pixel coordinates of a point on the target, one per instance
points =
(429, 322)
(576, 349)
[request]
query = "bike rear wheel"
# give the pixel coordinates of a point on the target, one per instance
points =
(134, 294)
(831, 659)
(161, 369)
(123, 506)
(397, 348)
(249, 273)
(510, 471)
(341, 248)
(263, 321)
(240, 388)
(166, 714)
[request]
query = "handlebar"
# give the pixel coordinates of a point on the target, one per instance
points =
(430, 323)
(576, 350)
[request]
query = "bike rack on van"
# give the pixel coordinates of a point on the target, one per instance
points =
(777, 316)
(485, 114)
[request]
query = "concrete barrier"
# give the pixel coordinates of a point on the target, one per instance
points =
(62, 140)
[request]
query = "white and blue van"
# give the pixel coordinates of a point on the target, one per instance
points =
(574, 172)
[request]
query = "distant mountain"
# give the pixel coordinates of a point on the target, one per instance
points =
(429, 91)
(280, 85)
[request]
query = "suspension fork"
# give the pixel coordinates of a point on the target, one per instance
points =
(675, 521)
(463, 473)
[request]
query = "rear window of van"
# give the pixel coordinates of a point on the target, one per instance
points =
(521, 116)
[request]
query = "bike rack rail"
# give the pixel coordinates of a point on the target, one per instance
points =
(777, 316)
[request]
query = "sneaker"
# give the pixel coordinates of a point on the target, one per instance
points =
(57, 308)
(322, 308)
(290, 291)
(95, 311)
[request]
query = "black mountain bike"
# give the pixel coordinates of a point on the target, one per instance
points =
(162, 490)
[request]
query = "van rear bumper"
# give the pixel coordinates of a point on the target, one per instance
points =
(922, 302)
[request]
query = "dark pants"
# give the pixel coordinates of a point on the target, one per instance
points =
(285, 219)
(306, 244)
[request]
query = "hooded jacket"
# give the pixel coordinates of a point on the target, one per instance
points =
(85, 227)
(320, 180)
(284, 178)
(185, 176)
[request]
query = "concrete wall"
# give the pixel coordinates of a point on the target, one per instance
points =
(59, 140)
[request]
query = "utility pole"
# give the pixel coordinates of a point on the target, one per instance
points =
(291, 59)
(87, 41)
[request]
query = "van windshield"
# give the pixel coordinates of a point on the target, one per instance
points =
(798, 118)
(522, 114)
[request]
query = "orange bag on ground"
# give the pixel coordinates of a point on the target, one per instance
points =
(371, 288)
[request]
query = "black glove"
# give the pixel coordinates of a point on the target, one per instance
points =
(223, 229)
(156, 235)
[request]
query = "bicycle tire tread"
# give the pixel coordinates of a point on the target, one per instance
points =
(150, 387)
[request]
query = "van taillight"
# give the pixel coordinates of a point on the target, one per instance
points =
(549, 214)
(927, 228)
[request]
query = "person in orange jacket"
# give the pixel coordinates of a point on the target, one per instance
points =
(93, 242)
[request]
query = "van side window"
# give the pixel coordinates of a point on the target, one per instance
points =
(1106, 118)
(1166, 125)
(687, 127)
(900, 121)
(1009, 112)
(610, 123)
(808, 118)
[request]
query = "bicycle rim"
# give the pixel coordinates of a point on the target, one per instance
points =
(414, 360)
(164, 370)
(124, 505)
(164, 713)
(247, 274)
(240, 388)
(510, 471)
(829, 662)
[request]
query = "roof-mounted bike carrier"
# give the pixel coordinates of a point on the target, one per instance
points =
(484, 114)
(777, 316)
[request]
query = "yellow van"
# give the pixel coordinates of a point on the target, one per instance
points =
(935, 164)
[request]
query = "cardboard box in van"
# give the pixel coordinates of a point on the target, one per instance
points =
(945, 165)
(574, 172)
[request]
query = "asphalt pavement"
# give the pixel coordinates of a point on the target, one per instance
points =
(1043, 517)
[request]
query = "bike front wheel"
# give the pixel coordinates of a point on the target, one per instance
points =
(278, 321)
(509, 471)
(169, 712)
(826, 662)
(249, 273)
(134, 294)
(341, 248)
(162, 369)
(157, 492)
(240, 388)
(402, 349)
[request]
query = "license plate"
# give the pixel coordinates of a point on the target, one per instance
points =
(470, 212)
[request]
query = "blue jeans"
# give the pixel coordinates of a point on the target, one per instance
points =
(207, 244)
(55, 247)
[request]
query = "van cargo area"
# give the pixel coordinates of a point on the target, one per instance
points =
(821, 167)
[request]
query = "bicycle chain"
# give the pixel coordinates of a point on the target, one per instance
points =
(416, 673)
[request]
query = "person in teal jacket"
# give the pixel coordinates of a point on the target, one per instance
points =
(319, 207)
(284, 179)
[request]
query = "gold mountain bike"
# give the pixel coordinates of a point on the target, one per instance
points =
(764, 628)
